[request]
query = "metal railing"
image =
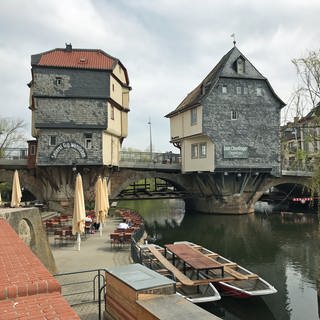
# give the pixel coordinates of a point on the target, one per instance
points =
(84, 291)
(155, 157)
(14, 153)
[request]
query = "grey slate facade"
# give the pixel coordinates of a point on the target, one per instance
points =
(241, 113)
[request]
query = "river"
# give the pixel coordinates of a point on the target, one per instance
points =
(285, 251)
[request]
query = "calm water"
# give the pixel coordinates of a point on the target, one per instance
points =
(284, 251)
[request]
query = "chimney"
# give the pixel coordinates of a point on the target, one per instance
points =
(68, 47)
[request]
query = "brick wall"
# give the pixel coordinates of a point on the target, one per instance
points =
(27, 289)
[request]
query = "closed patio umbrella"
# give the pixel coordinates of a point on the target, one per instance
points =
(79, 212)
(100, 207)
(16, 191)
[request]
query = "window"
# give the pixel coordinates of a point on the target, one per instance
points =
(203, 150)
(224, 89)
(112, 87)
(245, 90)
(193, 116)
(88, 140)
(238, 90)
(32, 150)
(58, 81)
(234, 115)
(52, 140)
(240, 66)
(259, 91)
(194, 151)
(112, 112)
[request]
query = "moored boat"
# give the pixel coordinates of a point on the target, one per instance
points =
(193, 286)
(237, 281)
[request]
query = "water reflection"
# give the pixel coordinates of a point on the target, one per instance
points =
(284, 250)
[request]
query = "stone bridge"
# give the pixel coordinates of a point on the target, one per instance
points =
(218, 192)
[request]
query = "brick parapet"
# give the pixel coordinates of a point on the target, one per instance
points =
(27, 289)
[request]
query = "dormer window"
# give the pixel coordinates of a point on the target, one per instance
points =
(240, 65)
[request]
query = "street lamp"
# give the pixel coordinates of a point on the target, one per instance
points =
(149, 123)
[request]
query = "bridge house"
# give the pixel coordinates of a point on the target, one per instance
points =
(230, 121)
(79, 100)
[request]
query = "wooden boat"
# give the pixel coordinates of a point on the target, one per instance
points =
(237, 281)
(191, 285)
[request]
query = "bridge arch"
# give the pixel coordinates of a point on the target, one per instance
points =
(123, 179)
(27, 181)
(300, 183)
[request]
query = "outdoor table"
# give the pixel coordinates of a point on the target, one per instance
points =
(194, 258)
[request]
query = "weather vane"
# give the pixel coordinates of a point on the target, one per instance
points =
(234, 39)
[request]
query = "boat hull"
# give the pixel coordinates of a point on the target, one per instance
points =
(253, 286)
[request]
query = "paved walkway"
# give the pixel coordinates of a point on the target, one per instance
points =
(95, 252)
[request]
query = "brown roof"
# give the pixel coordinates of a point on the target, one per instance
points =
(77, 58)
(194, 97)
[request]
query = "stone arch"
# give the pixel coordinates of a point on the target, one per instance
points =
(26, 233)
(273, 182)
(27, 179)
(122, 179)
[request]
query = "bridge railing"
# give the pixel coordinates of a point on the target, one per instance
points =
(14, 153)
(155, 157)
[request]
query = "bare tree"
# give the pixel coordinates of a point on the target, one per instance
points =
(11, 134)
(308, 73)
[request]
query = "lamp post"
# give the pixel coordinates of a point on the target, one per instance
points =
(149, 123)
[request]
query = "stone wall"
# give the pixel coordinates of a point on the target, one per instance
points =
(28, 225)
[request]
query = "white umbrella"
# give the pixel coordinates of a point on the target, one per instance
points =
(105, 187)
(16, 191)
(100, 206)
(79, 211)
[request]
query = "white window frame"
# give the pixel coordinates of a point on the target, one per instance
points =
(193, 116)
(245, 90)
(203, 150)
(88, 140)
(234, 115)
(194, 151)
(239, 91)
(58, 81)
(259, 91)
(224, 89)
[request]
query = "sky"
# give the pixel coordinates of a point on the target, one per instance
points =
(167, 46)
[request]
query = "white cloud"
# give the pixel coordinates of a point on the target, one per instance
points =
(167, 46)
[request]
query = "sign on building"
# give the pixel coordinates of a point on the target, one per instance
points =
(235, 152)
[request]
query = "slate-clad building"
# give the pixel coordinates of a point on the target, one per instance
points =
(80, 101)
(230, 121)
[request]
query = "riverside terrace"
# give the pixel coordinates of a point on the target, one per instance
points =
(29, 291)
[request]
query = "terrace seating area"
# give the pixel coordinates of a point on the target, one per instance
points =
(59, 226)
(122, 236)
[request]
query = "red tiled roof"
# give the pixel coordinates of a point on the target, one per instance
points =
(77, 58)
